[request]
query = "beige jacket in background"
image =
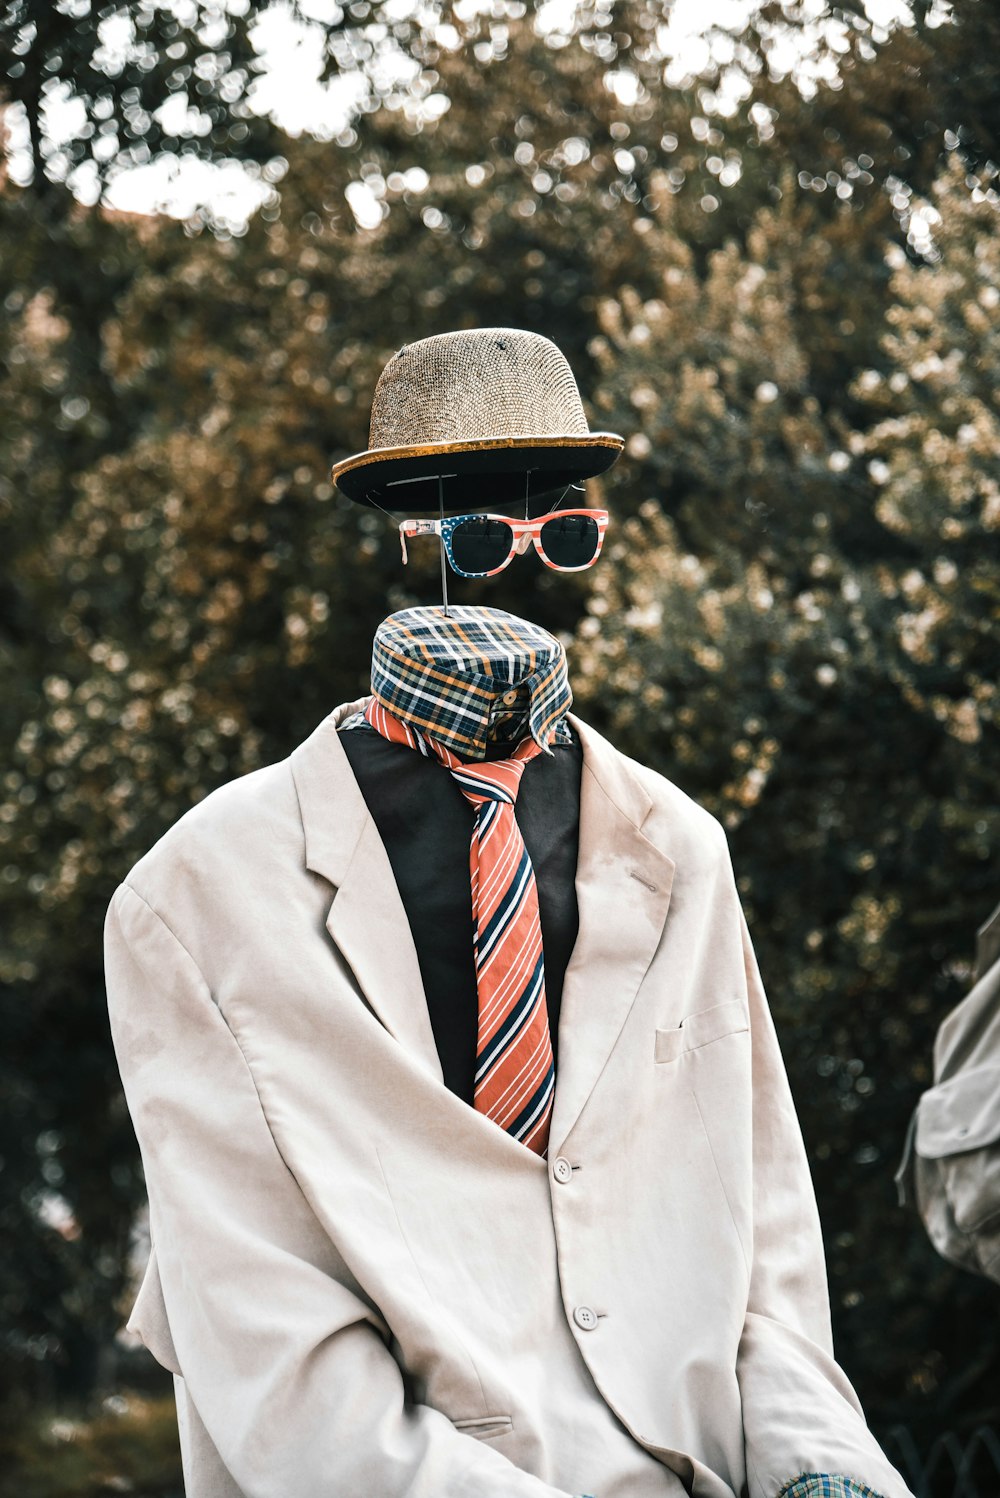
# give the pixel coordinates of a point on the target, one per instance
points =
(950, 1171)
(364, 1287)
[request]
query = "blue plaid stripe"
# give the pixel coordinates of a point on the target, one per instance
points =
(447, 676)
(826, 1485)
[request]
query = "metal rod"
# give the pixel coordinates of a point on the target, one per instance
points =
(444, 560)
(421, 478)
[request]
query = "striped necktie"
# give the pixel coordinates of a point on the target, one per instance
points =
(515, 1077)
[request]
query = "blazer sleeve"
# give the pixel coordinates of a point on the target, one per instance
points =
(287, 1365)
(801, 1417)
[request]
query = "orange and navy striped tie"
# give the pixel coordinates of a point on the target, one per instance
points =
(515, 1077)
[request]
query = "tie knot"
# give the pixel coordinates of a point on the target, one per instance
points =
(496, 780)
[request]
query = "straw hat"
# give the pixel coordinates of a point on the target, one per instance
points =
(495, 406)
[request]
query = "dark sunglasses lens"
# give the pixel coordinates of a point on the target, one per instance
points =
(570, 540)
(479, 545)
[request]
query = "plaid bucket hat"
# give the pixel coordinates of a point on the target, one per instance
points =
(498, 406)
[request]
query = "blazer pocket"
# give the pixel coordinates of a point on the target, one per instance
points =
(485, 1426)
(701, 1029)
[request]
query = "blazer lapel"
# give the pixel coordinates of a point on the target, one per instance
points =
(366, 919)
(623, 887)
(623, 890)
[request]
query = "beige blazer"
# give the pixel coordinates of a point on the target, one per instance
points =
(366, 1288)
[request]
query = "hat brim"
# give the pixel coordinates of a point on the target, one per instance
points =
(505, 469)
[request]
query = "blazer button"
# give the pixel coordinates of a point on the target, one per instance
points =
(585, 1318)
(562, 1170)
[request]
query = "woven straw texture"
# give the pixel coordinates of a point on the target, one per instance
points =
(484, 382)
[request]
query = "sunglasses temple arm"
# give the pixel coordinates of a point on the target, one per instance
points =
(402, 546)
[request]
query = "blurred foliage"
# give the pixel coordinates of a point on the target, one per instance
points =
(789, 310)
(102, 88)
(131, 1447)
(111, 71)
(800, 628)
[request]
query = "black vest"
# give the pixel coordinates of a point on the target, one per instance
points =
(425, 824)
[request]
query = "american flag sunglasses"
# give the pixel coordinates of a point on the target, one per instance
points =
(481, 545)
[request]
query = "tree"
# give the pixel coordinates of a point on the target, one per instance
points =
(835, 704)
(188, 596)
(104, 87)
(114, 69)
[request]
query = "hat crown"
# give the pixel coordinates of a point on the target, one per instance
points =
(473, 384)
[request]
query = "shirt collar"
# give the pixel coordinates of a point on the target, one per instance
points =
(449, 676)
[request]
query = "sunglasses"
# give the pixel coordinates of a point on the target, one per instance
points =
(480, 545)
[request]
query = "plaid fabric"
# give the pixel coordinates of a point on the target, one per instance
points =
(447, 677)
(826, 1485)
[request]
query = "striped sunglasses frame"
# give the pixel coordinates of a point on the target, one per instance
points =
(522, 533)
